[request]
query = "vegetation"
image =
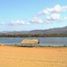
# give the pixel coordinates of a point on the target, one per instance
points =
(33, 35)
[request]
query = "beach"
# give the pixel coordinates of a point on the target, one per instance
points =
(11, 56)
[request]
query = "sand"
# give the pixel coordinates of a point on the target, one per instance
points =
(33, 57)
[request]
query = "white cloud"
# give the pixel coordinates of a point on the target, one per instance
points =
(55, 16)
(18, 22)
(15, 22)
(36, 20)
(64, 7)
(56, 9)
(52, 17)
(50, 14)
(46, 11)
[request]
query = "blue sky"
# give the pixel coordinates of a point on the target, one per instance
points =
(21, 15)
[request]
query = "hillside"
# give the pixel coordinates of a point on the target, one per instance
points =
(51, 31)
(48, 32)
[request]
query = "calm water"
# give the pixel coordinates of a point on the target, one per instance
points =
(43, 40)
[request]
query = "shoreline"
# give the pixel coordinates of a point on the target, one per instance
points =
(49, 46)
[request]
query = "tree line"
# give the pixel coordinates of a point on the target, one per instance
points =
(33, 35)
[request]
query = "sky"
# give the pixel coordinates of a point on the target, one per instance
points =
(25, 15)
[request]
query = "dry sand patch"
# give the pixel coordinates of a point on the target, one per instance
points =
(33, 57)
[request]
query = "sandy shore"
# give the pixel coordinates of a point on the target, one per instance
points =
(33, 57)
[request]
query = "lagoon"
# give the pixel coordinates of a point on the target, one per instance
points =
(44, 41)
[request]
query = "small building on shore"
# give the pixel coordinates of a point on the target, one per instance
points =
(30, 42)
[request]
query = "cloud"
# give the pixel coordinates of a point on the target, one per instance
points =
(50, 14)
(18, 22)
(46, 15)
(55, 9)
(64, 7)
(15, 22)
(36, 20)
(54, 17)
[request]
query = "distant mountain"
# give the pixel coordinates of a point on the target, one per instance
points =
(15, 32)
(62, 30)
(51, 31)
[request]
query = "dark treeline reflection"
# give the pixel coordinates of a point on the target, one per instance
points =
(33, 35)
